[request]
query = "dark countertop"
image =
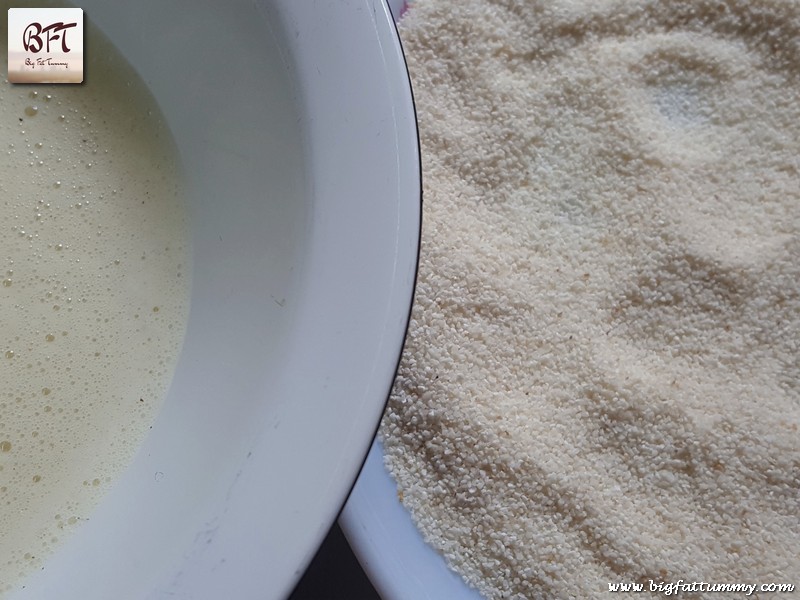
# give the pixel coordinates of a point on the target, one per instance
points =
(334, 574)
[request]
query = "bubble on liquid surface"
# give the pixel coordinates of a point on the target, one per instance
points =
(76, 360)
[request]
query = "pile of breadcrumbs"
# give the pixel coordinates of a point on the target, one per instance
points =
(601, 381)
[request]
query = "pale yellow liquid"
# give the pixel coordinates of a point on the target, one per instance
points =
(94, 295)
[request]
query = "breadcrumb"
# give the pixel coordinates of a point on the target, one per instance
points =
(600, 381)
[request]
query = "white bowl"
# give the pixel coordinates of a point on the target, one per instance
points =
(382, 534)
(295, 124)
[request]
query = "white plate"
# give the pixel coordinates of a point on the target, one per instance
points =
(295, 123)
(398, 562)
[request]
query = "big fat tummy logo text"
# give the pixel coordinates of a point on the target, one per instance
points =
(45, 45)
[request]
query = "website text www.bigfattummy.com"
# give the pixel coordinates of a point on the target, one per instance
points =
(675, 587)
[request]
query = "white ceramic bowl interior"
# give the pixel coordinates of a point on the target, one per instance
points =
(295, 125)
(382, 533)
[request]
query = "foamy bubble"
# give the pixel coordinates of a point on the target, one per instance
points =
(76, 362)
